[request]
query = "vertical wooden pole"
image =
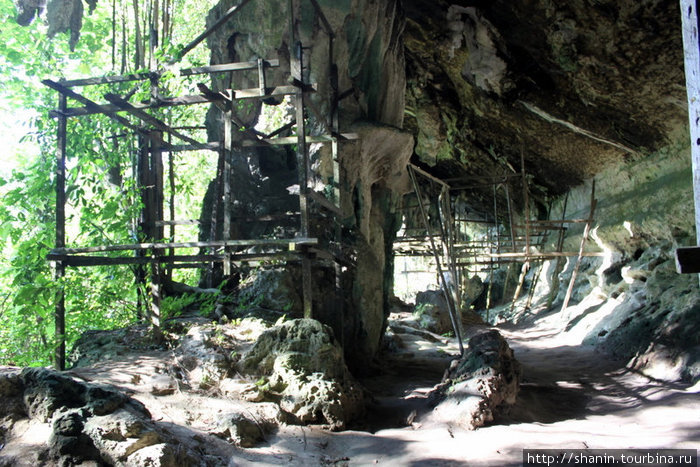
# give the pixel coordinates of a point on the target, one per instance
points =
(495, 226)
(216, 209)
(691, 47)
(228, 155)
(584, 238)
(143, 180)
(297, 63)
(171, 207)
(456, 322)
(60, 312)
(526, 198)
(156, 214)
(554, 291)
(335, 160)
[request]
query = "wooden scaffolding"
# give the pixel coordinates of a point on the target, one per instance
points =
(153, 255)
(505, 241)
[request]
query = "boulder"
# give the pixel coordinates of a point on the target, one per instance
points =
(306, 371)
(242, 430)
(480, 384)
(432, 312)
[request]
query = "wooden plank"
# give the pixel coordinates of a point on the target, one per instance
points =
(225, 67)
(688, 260)
(175, 260)
(178, 222)
(253, 93)
(221, 68)
(92, 106)
(151, 120)
(214, 146)
(284, 242)
(691, 47)
(323, 202)
(161, 103)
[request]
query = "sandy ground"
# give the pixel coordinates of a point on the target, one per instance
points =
(571, 397)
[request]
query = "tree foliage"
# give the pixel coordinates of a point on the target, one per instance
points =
(102, 199)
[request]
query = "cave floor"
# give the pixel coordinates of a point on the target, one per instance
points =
(571, 397)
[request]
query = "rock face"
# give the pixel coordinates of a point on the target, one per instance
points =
(368, 50)
(88, 422)
(305, 370)
(484, 85)
(484, 381)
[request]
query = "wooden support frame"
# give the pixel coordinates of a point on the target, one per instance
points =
(153, 253)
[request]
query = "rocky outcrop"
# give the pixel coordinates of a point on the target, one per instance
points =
(482, 383)
(305, 372)
(88, 422)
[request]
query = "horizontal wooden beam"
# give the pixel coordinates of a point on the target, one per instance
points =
(178, 222)
(323, 202)
(253, 93)
(221, 68)
(91, 106)
(149, 119)
(182, 261)
(688, 260)
(157, 246)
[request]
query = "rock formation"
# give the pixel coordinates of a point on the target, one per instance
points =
(483, 382)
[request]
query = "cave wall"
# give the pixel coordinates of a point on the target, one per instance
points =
(369, 53)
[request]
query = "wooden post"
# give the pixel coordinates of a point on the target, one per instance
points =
(171, 183)
(60, 312)
(526, 198)
(157, 229)
(495, 226)
(554, 291)
(297, 63)
(143, 180)
(584, 238)
(456, 323)
(691, 47)
(228, 157)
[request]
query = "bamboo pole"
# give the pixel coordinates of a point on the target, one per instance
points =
(584, 237)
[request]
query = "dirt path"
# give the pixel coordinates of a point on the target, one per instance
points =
(571, 397)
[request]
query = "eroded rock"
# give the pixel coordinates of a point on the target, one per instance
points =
(89, 423)
(483, 382)
(305, 367)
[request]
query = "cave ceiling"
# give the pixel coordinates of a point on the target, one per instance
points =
(572, 87)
